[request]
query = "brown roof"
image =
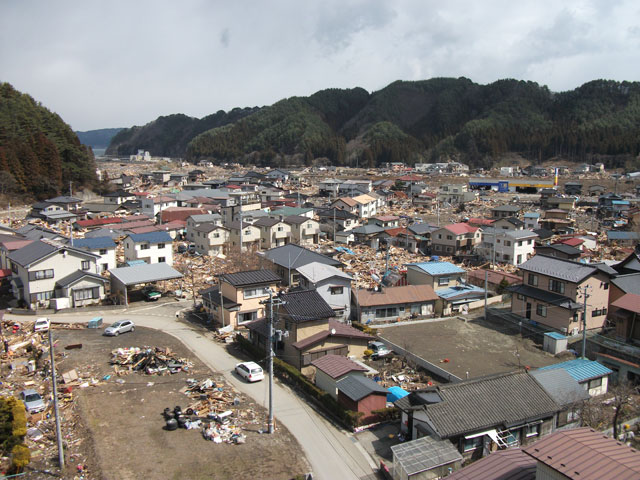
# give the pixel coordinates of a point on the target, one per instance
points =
(629, 301)
(336, 366)
(341, 330)
(396, 295)
(494, 277)
(586, 454)
(511, 464)
(349, 201)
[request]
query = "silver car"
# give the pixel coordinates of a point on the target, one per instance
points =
(32, 400)
(121, 326)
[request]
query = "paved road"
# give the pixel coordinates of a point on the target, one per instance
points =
(333, 453)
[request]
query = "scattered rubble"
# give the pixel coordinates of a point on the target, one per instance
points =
(150, 360)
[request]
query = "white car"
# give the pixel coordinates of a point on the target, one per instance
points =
(119, 327)
(250, 371)
(42, 324)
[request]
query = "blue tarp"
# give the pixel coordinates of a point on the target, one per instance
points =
(396, 393)
(345, 250)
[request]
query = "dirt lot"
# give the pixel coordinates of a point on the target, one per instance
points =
(477, 347)
(122, 418)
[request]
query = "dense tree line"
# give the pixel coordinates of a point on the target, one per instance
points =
(39, 153)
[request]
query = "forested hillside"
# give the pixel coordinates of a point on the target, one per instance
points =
(168, 136)
(423, 121)
(98, 138)
(39, 153)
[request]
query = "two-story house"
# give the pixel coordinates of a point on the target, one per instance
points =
(347, 204)
(304, 231)
(273, 232)
(504, 211)
(553, 293)
(342, 219)
(45, 270)
(367, 205)
(153, 206)
(211, 239)
(507, 246)
(118, 197)
(437, 275)
(153, 247)
(248, 234)
(508, 223)
(386, 221)
(286, 260)
(531, 220)
(455, 239)
(455, 193)
(103, 247)
(196, 220)
(333, 285)
(238, 298)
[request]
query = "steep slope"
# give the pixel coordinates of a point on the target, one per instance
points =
(39, 153)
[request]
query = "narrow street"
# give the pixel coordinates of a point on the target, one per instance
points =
(332, 452)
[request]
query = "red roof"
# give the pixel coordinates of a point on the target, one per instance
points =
(585, 454)
(494, 277)
(629, 301)
(233, 187)
(98, 221)
(11, 245)
(140, 194)
(503, 464)
(5, 272)
(574, 242)
(179, 213)
(461, 228)
(480, 221)
(397, 231)
(341, 330)
(336, 366)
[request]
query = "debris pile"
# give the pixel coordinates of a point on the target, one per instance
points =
(151, 361)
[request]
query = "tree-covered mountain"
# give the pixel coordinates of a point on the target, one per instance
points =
(98, 138)
(421, 121)
(39, 153)
(169, 136)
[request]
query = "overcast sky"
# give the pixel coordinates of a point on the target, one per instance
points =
(114, 63)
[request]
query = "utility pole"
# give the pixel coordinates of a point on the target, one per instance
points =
(55, 404)
(221, 300)
(270, 330)
(486, 285)
(584, 322)
(334, 226)
(241, 226)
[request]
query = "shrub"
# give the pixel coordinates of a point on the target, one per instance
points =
(13, 428)
(21, 456)
(386, 414)
(364, 328)
(368, 353)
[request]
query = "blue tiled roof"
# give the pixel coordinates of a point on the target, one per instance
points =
(94, 243)
(151, 237)
(555, 336)
(438, 268)
(532, 215)
(581, 369)
(615, 235)
(452, 292)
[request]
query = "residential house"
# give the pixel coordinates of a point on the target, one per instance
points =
(480, 415)
(361, 394)
(495, 280)
(504, 211)
(286, 260)
(368, 235)
(248, 234)
(44, 271)
(241, 295)
(458, 299)
(562, 203)
(331, 283)
(342, 219)
(118, 197)
(273, 232)
(67, 202)
(531, 220)
(559, 250)
(435, 274)
(508, 223)
(354, 187)
(552, 293)
(304, 231)
(330, 369)
(153, 206)
(178, 179)
(278, 174)
(367, 205)
(329, 187)
(573, 188)
(557, 220)
(347, 204)
(631, 264)
(455, 239)
(624, 313)
(422, 233)
(103, 247)
(394, 303)
(231, 213)
(507, 246)
(455, 193)
(385, 221)
(592, 376)
(160, 177)
(154, 247)
(211, 239)
(195, 220)
(628, 239)
(565, 391)
(8, 244)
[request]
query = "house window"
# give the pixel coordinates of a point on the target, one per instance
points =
(280, 229)
(605, 286)
(42, 274)
(386, 312)
(443, 281)
(103, 251)
(595, 383)
(449, 249)
(162, 260)
(532, 430)
(336, 290)
(247, 317)
(449, 237)
(256, 292)
(144, 246)
(529, 242)
(161, 245)
(520, 296)
(216, 235)
(473, 443)
(507, 243)
(541, 310)
(532, 280)
(519, 261)
(83, 294)
(41, 296)
(86, 265)
(105, 267)
(556, 286)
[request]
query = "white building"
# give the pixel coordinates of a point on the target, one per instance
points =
(153, 206)
(333, 285)
(511, 246)
(103, 247)
(154, 247)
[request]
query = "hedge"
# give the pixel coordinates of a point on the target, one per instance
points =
(295, 377)
(13, 428)
(365, 328)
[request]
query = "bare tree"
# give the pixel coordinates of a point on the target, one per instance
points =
(623, 402)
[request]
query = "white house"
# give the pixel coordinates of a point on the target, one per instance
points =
(333, 285)
(195, 220)
(532, 220)
(45, 271)
(103, 247)
(211, 239)
(153, 247)
(153, 206)
(511, 246)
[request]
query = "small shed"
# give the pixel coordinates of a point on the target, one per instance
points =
(424, 459)
(554, 343)
(330, 369)
(361, 394)
(591, 375)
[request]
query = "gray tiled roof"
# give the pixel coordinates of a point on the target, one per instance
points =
(545, 296)
(145, 273)
(558, 268)
(266, 222)
(561, 247)
(295, 219)
(77, 275)
(251, 277)
(507, 208)
(207, 227)
(293, 256)
(629, 283)
(306, 305)
(473, 405)
(357, 387)
(560, 386)
(31, 253)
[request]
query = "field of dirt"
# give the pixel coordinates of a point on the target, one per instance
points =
(122, 418)
(476, 347)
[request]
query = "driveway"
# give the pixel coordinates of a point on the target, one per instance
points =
(333, 453)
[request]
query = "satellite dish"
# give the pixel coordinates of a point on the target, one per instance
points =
(333, 331)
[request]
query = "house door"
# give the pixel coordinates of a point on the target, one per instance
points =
(528, 310)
